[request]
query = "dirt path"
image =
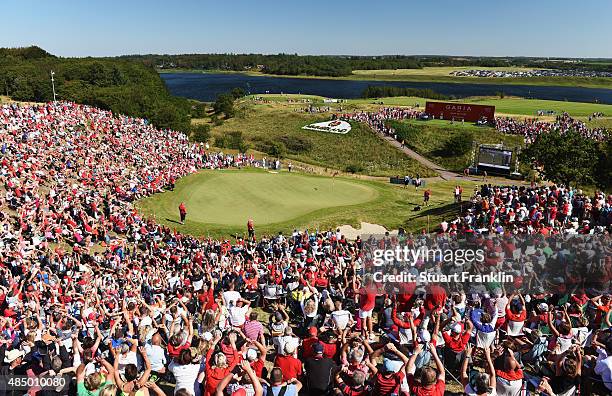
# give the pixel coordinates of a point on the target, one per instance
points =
(445, 174)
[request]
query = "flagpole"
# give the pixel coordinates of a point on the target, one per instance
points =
(53, 85)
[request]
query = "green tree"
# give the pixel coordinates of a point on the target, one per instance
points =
(354, 168)
(603, 171)
(237, 93)
(198, 110)
(200, 133)
(221, 141)
(224, 104)
(277, 149)
(563, 158)
(458, 144)
(235, 140)
(123, 86)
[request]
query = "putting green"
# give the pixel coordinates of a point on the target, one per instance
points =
(231, 197)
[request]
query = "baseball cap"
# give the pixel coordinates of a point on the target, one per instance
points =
(317, 348)
(289, 349)
(456, 328)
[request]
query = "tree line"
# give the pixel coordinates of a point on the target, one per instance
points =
(283, 64)
(342, 65)
(122, 86)
(386, 91)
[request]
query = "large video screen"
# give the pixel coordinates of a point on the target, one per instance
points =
(495, 158)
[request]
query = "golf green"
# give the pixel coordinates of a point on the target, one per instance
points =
(231, 197)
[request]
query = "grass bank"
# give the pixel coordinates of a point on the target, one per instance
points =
(432, 138)
(360, 150)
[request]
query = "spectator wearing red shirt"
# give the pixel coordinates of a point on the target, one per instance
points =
(388, 380)
(257, 357)
(290, 366)
(455, 342)
(308, 343)
(430, 381)
(516, 314)
(182, 212)
(217, 366)
(603, 304)
(175, 346)
(435, 299)
(367, 301)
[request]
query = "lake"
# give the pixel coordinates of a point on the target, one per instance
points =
(206, 87)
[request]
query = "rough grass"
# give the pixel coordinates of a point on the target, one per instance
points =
(360, 148)
(389, 205)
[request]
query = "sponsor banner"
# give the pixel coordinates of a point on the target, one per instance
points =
(459, 111)
(334, 126)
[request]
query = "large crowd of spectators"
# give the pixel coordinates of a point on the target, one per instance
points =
(117, 304)
(378, 120)
(531, 73)
(532, 128)
(528, 128)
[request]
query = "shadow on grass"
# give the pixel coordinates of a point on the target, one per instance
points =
(446, 211)
(429, 218)
(173, 221)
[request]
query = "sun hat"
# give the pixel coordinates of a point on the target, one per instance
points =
(289, 349)
(13, 355)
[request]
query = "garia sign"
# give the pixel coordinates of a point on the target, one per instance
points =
(459, 111)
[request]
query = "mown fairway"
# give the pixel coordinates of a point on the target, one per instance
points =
(219, 203)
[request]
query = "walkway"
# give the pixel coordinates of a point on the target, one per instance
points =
(445, 174)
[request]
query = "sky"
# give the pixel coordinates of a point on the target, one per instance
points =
(541, 28)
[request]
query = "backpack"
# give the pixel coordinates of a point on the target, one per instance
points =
(282, 391)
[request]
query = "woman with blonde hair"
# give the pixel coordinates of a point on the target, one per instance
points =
(92, 384)
(109, 390)
(217, 366)
(310, 308)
